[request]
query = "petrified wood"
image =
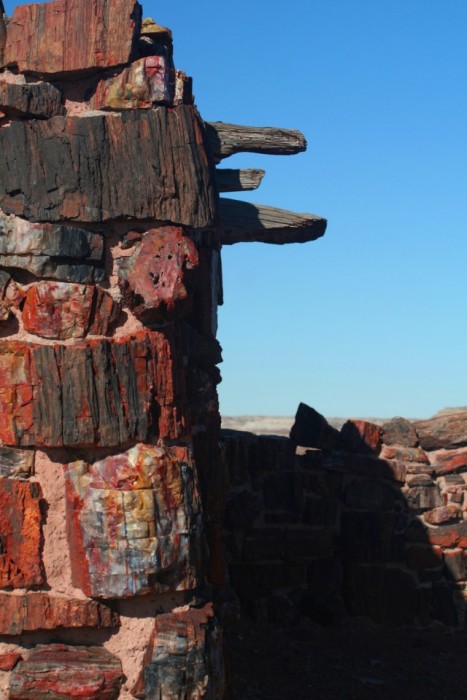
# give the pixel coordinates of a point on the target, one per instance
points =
(20, 534)
(36, 100)
(16, 464)
(144, 83)
(445, 431)
(228, 180)
(30, 612)
(60, 310)
(152, 279)
(134, 522)
(11, 295)
(227, 139)
(242, 222)
(183, 659)
(57, 672)
(93, 393)
(71, 36)
(147, 164)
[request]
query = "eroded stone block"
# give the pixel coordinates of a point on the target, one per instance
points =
(16, 464)
(20, 534)
(445, 431)
(39, 611)
(152, 278)
(139, 86)
(361, 436)
(184, 658)
(34, 100)
(11, 295)
(55, 671)
(399, 431)
(134, 522)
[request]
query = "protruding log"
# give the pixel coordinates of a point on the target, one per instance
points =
(242, 222)
(238, 180)
(226, 139)
(41, 100)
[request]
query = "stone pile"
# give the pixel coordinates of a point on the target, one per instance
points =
(111, 501)
(368, 521)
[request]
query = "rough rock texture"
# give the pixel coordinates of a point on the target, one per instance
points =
(9, 660)
(139, 164)
(36, 100)
(99, 393)
(152, 278)
(361, 436)
(134, 522)
(183, 659)
(15, 463)
(11, 295)
(49, 39)
(146, 82)
(446, 431)
(56, 671)
(39, 611)
(20, 534)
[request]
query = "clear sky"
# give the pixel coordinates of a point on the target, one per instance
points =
(372, 318)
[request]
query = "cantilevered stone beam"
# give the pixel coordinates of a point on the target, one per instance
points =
(228, 180)
(227, 139)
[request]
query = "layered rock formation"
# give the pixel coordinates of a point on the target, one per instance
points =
(110, 278)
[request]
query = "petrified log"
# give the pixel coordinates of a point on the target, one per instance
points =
(147, 164)
(183, 659)
(152, 278)
(399, 431)
(71, 36)
(20, 534)
(139, 86)
(134, 522)
(227, 139)
(242, 222)
(16, 464)
(59, 310)
(228, 180)
(35, 100)
(445, 431)
(93, 393)
(31, 612)
(55, 671)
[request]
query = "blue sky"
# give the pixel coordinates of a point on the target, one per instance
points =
(371, 319)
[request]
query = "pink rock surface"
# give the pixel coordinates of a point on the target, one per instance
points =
(443, 514)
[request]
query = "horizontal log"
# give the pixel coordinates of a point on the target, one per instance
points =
(227, 139)
(238, 180)
(242, 222)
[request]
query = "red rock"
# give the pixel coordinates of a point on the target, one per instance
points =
(443, 514)
(152, 278)
(8, 661)
(39, 611)
(139, 86)
(39, 100)
(448, 461)
(404, 454)
(134, 522)
(56, 671)
(20, 534)
(445, 431)
(71, 36)
(61, 310)
(184, 657)
(361, 436)
(420, 480)
(399, 431)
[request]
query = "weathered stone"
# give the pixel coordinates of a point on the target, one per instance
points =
(34, 100)
(399, 431)
(16, 464)
(420, 557)
(139, 86)
(61, 310)
(183, 89)
(61, 252)
(420, 480)
(56, 671)
(453, 535)
(20, 534)
(311, 429)
(152, 278)
(141, 164)
(11, 295)
(443, 514)
(404, 454)
(455, 561)
(423, 497)
(447, 461)
(372, 494)
(95, 393)
(361, 436)
(445, 431)
(184, 658)
(66, 37)
(39, 611)
(368, 537)
(9, 660)
(134, 522)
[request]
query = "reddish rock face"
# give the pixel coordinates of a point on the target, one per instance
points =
(404, 454)
(152, 279)
(143, 84)
(9, 661)
(39, 100)
(134, 522)
(20, 534)
(448, 461)
(56, 671)
(443, 514)
(39, 611)
(361, 436)
(60, 310)
(183, 658)
(92, 34)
